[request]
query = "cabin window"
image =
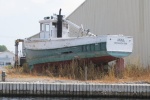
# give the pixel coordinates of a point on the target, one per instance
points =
(47, 27)
(42, 27)
(66, 26)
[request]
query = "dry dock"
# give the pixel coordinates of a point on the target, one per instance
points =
(74, 89)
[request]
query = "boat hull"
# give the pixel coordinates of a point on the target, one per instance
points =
(98, 49)
(96, 52)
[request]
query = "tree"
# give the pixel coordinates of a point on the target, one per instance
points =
(3, 48)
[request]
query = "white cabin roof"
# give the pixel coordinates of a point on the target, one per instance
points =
(47, 21)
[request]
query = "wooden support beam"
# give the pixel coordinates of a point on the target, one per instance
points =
(119, 67)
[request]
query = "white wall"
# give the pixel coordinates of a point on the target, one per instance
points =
(127, 17)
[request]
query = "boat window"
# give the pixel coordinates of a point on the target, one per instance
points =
(47, 27)
(42, 27)
(67, 26)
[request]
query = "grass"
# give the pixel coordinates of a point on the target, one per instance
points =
(76, 71)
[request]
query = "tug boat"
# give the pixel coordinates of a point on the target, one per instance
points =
(53, 44)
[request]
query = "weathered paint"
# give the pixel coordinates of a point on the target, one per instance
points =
(66, 54)
(114, 42)
(57, 50)
(32, 54)
(96, 52)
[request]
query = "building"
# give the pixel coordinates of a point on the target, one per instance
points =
(127, 17)
(7, 58)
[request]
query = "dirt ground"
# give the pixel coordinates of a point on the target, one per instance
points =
(17, 77)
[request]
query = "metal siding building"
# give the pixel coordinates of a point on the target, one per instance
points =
(127, 17)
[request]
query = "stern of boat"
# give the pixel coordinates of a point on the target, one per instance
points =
(119, 46)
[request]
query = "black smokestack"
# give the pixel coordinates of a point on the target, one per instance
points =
(59, 24)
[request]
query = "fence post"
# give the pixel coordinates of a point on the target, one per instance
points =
(3, 76)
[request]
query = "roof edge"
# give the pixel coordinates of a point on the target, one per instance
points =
(76, 9)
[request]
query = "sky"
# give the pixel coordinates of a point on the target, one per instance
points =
(19, 19)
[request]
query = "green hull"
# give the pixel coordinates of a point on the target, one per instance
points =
(90, 51)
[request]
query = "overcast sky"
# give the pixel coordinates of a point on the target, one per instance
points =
(19, 18)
